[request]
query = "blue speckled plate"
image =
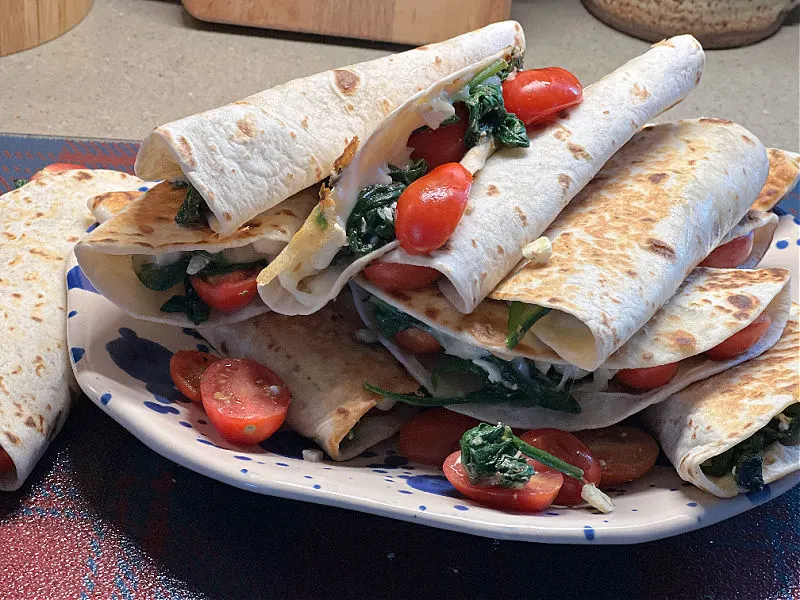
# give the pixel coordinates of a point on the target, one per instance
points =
(123, 365)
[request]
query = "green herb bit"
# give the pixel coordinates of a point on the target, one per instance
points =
(391, 321)
(493, 69)
(411, 173)
(521, 317)
(488, 116)
(18, 183)
(161, 278)
(193, 210)
(190, 304)
(321, 219)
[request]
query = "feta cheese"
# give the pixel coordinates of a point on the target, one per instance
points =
(312, 455)
(538, 252)
(197, 263)
(594, 497)
(437, 110)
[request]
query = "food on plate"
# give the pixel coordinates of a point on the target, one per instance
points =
(186, 367)
(371, 208)
(324, 369)
(784, 173)
(55, 168)
(433, 435)
(624, 453)
(245, 158)
(39, 224)
(737, 431)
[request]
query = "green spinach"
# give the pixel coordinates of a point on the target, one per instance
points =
(190, 304)
(18, 183)
(521, 318)
(193, 210)
(391, 321)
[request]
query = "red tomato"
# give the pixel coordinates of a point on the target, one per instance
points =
(741, 341)
(417, 341)
(186, 367)
(393, 276)
(229, 291)
(429, 209)
(55, 168)
(732, 254)
(431, 436)
(648, 378)
(568, 448)
(537, 495)
(536, 95)
(442, 145)
(6, 464)
(624, 453)
(244, 400)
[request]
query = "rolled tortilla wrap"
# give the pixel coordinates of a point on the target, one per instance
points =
(248, 156)
(39, 224)
(784, 173)
(712, 416)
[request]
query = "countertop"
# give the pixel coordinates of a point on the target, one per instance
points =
(134, 64)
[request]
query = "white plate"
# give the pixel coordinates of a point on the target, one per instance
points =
(122, 364)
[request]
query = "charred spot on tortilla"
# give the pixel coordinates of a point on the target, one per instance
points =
(82, 176)
(346, 81)
(492, 190)
(640, 92)
(347, 155)
(715, 121)
(12, 438)
(565, 180)
(661, 248)
(748, 140)
(431, 312)
(186, 151)
(741, 315)
(682, 339)
(578, 152)
(741, 301)
(657, 178)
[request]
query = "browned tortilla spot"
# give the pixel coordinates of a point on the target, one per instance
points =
(12, 438)
(304, 122)
(640, 92)
(740, 301)
(564, 180)
(432, 313)
(16, 295)
(717, 121)
(578, 152)
(500, 250)
(82, 176)
(474, 243)
(492, 190)
(387, 106)
(657, 177)
(348, 154)
(346, 81)
(522, 217)
(186, 151)
(682, 339)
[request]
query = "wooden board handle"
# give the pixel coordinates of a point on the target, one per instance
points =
(28, 23)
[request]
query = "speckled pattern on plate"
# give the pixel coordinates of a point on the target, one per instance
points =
(122, 365)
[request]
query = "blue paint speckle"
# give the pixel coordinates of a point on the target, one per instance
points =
(388, 480)
(461, 507)
(691, 504)
(160, 408)
(308, 476)
(203, 348)
(185, 424)
(92, 227)
(423, 507)
(605, 520)
(144, 188)
(379, 471)
(634, 510)
(781, 244)
(281, 464)
(405, 492)
(433, 484)
(207, 442)
(243, 470)
(796, 220)
(77, 354)
(588, 532)
(77, 280)
(105, 398)
(673, 489)
(241, 457)
(317, 486)
(72, 313)
(552, 514)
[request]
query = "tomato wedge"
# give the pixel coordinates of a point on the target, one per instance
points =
(6, 464)
(537, 495)
(430, 437)
(417, 341)
(229, 291)
(245, 401)
(648, 378)
(393, 276)
(429, 210)
(537, 95)
(186, 367)
(741, 341)
(732, 254)
(442, 145)
(567, 447)
(55, 168)
(624, 453)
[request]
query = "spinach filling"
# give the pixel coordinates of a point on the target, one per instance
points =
(193, 211)
(745, 459)
(534, 389)
(18, 183)
(162, 278)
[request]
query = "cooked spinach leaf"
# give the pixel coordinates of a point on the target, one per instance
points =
(218, 264)
(18, 183)
(193, 210)
(487, 112)
(161, 278)
(391, 321)
(521, 318)
(190, 304)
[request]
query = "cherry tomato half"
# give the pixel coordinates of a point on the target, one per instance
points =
(186, 367)
(394, 276)
(741, 341)
(648, 378)
(429, 209)
(567, 447)
(417, 341)
(624, 453)
(430, 437)
(55, 168)
(6, 464)
(229, 291)
(537, 495)
(732, 254)
(536, 95)
(442, 145)
(245, 401)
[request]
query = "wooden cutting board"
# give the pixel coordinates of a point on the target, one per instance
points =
(28, 23)
(399, 21)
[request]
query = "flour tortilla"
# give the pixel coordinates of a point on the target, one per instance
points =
(709, 417)
(246, 157)
(146, 226)
(39, 225)
(784, 173)
(623, 247)
(514, 197)
(710, 306)
(324, 369)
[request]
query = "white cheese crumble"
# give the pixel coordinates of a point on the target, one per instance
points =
(312, 455)
(594, 497)
(385, 404)
(365, 336)
(437, 110)
(538, 252)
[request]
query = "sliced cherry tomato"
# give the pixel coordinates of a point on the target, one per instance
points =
(732, 254)
(537, 495)
(6, 464)
(55, 168)
(429, 209)
(186, 367)
(648, 378)
(245, 401)
(442, 145)
(417, 341)
(741, 341)
(536, 95)
(430, 437)
(394, 276)
(567, 447)
(229, 291)
(624, 453)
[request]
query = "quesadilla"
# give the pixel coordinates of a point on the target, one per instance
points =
(39, 224)
(784, 173)
(243, 159)
(516, 193)
(739, 430)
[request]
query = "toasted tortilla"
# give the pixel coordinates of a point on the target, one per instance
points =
(39, 224)
(708, 417)
(784, 173)
(325, 369)
(248, 156)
